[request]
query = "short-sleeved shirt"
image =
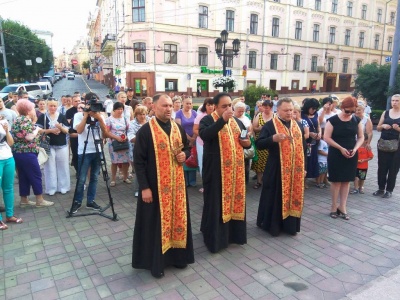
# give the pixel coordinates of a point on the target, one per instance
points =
(326, 117)
(108, 105)
(55, 139)
(187, 123)
(90, 148)
(324, 147)
(20, 129)
(200, 115)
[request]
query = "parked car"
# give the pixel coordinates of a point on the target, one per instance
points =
(58, 76)
(33, 89)
(50, 78)
(46, 88)
(71, 76)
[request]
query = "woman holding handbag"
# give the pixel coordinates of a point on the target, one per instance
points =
(388, 149)
(118, 144)
(56, 169)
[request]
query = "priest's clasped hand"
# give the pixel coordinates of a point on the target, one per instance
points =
(280, 137)
(180, 157)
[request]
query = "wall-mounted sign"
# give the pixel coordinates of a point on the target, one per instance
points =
(209, 71)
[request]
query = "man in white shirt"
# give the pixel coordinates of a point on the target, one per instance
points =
(108, 105)
(92, 160)
(7, 114)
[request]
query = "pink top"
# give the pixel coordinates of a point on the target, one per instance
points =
(200, 115)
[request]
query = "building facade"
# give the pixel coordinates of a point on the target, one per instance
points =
(287, 45)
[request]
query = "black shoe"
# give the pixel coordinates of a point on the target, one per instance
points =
(93, 205)
(387, 195)
(254, 177)
(379, 193)
(180, 266)
(75, 207)
(2, 209)
(158, 275)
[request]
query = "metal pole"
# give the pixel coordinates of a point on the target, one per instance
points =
(224, 61)
(3, 47)
(384, 31)
(395, 57)
(247, 58)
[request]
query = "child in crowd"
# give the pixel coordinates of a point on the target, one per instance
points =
(323, 164)
(364, 156)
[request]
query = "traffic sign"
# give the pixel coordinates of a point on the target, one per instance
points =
(388, 59)
(74, 62)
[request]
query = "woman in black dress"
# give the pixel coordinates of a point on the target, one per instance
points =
(389, 162)
(340, 134)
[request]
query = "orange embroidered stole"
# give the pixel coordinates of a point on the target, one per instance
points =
(232, 171)
(292, 169)
(171, 186)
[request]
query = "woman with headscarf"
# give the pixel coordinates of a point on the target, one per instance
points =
(309, 114)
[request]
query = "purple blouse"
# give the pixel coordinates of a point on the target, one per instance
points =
(186, 123)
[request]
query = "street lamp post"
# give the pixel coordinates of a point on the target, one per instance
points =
(220, 48)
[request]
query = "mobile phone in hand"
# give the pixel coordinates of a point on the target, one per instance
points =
(243, 134)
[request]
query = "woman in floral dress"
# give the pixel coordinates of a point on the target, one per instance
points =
(117, 127)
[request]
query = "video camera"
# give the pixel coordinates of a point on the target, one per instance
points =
(94, 106)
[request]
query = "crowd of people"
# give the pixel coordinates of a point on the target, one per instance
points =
(152, 143)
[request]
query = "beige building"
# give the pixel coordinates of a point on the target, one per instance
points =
(286, 45)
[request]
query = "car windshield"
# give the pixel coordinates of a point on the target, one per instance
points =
(43, 87)
(8, 89)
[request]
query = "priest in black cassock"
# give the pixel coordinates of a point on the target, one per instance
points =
(162, 236)
(224, 212)
(282, 195)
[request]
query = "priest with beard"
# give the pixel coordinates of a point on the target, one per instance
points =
(162, 236)
(282, 195)
(224, 212)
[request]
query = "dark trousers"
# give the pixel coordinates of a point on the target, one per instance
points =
(29, 173)
(388, 167)
(74, 150)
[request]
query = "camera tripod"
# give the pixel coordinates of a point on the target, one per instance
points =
(98, 143)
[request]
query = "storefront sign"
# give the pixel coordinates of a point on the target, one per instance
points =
(209, 71)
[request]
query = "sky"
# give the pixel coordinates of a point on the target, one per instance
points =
(66, 19)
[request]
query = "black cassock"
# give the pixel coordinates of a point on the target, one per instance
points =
(217, 235)
(269, 215)
(147, 253)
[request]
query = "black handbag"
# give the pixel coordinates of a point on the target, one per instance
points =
(120, 146)
(45, 139)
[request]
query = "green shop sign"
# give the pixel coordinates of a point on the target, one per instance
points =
(209, 71)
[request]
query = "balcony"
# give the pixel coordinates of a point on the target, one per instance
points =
(108, 44)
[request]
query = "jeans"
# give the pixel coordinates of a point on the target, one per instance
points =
(93, 162)
(7, 168)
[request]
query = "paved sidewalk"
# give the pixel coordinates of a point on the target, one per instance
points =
(50, 256)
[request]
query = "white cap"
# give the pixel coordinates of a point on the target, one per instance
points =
(334, 97)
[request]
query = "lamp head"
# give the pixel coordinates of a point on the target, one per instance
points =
(236, 46)
(218, 45)
(224, 36)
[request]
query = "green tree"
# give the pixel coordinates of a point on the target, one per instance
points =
(372, 83)
(21, 45)
(253, 94)
(86, 64)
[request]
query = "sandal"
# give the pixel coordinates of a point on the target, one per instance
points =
(44, 203)
(361, 190)
(257, 186)
(3, 226)
(342, 215)
(333, 215)
(112, 183)
(14, 219)
(25, 204)
(127, 181)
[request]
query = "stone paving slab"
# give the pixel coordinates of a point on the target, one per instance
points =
(50, 256)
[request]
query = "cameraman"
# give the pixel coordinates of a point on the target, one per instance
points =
(82, 121)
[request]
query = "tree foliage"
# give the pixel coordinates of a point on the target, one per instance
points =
(22, 44)
(86, 64)
(372, 83)
(253, 94)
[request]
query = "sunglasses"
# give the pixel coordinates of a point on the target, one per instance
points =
(349, 111)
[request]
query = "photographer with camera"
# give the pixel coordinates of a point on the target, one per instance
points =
(90, 117)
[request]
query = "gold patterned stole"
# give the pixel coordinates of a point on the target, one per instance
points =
(171, 186)
(292, 169)
(232, 171)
